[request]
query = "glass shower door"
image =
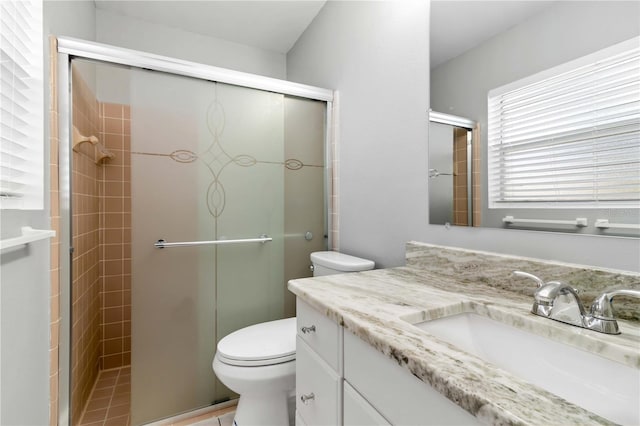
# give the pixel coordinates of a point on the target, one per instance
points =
(207, 163)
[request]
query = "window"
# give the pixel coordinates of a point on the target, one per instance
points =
(21, 105)
(569, 136)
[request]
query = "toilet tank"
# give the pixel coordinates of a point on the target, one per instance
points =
(332, 262)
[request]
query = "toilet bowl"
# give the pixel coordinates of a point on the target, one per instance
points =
(259, 362)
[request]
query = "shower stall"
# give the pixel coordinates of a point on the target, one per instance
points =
(453, 170)
(190, 195)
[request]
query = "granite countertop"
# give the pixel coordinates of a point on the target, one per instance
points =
(380, 307)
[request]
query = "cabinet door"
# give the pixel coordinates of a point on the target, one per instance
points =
(318, 388)
(358, 412)
(299, 421)
(400, 397)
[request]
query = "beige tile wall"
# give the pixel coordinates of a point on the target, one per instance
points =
(334, 172)
(55, 241)
(115, 236)
(86, 284)
(476, 177)
(101, 203)
(460, 201)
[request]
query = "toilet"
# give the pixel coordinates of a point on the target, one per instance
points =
(259, 362)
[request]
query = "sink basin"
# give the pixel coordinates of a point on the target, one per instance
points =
(602, 386)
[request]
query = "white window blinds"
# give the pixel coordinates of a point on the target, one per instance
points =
(569, 136)
(21, 105)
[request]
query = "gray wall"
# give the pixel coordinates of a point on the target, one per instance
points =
(375, 54)
(137, 34)
(24, 272)
(24, 333)
(563, 32)
(119, 30)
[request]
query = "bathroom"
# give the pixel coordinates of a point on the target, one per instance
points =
(354, 48)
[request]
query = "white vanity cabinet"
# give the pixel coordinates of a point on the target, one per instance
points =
(342, 380)
(318, 368)
(395, 393)
(357, 411)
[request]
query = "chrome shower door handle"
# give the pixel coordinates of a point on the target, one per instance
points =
(161, 243)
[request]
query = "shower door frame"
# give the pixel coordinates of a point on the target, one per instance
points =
(71, 48)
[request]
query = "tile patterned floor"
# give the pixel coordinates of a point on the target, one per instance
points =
(110, 403)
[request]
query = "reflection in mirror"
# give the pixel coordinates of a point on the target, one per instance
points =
(451, 176)
(509, 42)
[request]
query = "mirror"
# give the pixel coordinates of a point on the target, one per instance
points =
(479, 46)
(451, 165)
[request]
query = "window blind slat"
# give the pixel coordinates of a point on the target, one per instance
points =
(557, 173)
(616, 120)
(21, 105)
(608, 132)
(572, 77)
(571, 135)
(557, 152)
(16, 131)
(578, 152)
(610, 182)
(628, 95)
(7, 143)
(621, 172)
(564, 91)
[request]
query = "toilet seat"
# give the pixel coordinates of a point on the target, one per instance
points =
(268, 343)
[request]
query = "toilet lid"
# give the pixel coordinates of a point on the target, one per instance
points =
(267, 343)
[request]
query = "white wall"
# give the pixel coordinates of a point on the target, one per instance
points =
(375, 54)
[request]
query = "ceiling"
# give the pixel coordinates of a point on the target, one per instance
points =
(457, 26)
(270, 25)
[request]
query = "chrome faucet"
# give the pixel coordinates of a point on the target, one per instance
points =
(600, 317)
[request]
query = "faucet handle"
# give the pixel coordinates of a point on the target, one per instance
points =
(538, 280)
(602, 308)
(601, 317)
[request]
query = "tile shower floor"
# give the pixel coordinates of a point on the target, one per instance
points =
(110, 403)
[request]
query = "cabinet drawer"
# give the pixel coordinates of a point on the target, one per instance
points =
(318, 388)
(398, 395)
(320, 333)
(358, 412)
